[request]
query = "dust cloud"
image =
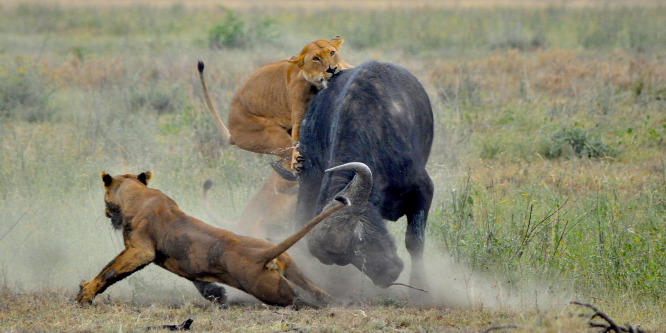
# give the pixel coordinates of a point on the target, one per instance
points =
(450, 285)
(38, 256)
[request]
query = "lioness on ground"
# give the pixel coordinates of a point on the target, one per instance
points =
(266, 111)
(156, 231)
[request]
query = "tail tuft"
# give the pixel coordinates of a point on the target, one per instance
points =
(207, 184)
(200, 66)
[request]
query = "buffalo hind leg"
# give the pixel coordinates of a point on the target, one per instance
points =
(212, 292)
(415, 241)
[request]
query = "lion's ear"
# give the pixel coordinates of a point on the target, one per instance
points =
(297, 59)
(144, 177)
(336, 41)
(107, 179)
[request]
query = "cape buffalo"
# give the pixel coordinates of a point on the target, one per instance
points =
(380, 115)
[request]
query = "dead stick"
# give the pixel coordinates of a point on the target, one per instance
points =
(611, 324)
(184, 326)
(404, 285)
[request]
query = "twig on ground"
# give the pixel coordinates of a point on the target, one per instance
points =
(404, 285)
(611, 326)
(184, 326)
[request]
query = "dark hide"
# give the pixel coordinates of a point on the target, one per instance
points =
(380, 115)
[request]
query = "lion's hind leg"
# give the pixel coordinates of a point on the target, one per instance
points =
(260, 135)
(294, 274)
(211, 291)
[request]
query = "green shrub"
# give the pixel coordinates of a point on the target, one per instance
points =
(158, 98)
(24, 93)
(235, 32)
(576, 141)
(490, 148)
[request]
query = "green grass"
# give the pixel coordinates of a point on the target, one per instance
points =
(549, 156)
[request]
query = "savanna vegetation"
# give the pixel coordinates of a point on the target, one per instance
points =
(549, 159)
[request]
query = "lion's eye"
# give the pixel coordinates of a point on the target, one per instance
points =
(315, 58)
(332, 53)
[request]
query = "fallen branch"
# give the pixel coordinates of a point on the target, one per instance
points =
(184, 326)
(404, 285)
(610, 325)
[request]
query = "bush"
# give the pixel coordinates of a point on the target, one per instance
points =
(573, 141)
(24, 93)
(235, 33)
(158, 98)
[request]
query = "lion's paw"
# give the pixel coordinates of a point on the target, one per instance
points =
(296, 160)
(85, 297)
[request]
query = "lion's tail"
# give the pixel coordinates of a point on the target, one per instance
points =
(204, 199)
(283, 246)
(216, 116)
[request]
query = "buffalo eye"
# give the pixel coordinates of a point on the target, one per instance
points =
(315, 58)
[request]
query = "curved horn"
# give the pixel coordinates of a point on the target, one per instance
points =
(357, 167)
(358, 190)
(332, 238)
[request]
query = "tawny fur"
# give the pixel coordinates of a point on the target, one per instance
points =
(156, 231)
(266, 111)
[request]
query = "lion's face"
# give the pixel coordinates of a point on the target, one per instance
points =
(319, 60)
(112, 208)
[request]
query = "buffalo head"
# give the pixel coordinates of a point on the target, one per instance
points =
(357, 235)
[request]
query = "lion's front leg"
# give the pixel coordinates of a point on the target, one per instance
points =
(299, 107)
(126, 263)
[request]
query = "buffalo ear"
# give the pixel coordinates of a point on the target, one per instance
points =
(107, 179)
(144, 177)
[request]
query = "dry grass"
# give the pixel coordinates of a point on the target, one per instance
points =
(121, 94)
(50, 311)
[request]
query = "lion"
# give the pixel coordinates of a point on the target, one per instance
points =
(266, 111)
(156, 231)
(269, 212)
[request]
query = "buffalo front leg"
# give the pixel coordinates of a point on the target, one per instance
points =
(126, 263)
(415, 243)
